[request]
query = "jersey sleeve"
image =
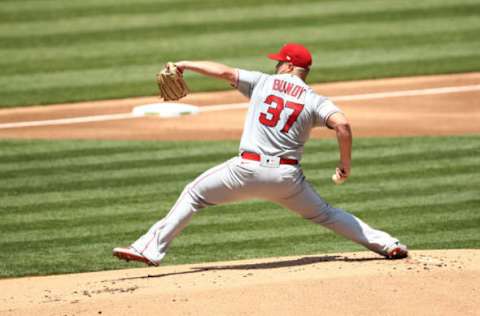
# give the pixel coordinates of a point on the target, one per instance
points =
(323, 110)
(247, 80)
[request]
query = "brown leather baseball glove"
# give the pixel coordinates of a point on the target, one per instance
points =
(171, 84)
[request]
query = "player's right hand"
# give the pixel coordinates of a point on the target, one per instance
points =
(342, 171)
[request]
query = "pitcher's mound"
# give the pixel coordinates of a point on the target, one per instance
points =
(441, 282)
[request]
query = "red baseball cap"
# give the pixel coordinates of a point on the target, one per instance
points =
(297, 54)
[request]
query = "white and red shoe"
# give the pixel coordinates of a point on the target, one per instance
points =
(130, 254)
(396, 251)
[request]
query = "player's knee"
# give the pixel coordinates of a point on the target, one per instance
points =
(318, 219)
(196, 200)
(190, 190)
(323, 214)
(189, 186)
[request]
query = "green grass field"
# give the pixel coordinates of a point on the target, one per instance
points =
(55, 51)
(66, 204)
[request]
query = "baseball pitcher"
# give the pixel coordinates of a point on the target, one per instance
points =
(282, 111)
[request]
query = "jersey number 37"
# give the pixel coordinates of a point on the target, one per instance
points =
(277, 105)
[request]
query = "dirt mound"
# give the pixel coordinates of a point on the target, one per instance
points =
(437, 282)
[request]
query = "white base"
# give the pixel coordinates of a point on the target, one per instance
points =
(165, 109)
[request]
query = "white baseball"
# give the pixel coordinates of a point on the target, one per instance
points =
(336, 179)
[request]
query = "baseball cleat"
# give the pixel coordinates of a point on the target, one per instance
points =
(397, 251)
(130, 254)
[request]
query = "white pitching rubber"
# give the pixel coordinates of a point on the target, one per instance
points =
(165, 109)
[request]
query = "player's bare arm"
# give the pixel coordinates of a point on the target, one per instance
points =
(211, 69)
(339, 123)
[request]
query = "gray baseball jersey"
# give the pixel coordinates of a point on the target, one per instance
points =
(282, 111)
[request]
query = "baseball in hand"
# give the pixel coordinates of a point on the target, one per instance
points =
(336, 179)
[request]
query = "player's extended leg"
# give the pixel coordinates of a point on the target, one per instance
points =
(311, 206)
(220, 184)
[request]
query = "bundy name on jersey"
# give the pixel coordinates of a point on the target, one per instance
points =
(288, 88)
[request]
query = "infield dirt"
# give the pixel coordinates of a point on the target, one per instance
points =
(437, 282)
(430, 115)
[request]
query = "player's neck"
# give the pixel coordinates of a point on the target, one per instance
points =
(300, 75)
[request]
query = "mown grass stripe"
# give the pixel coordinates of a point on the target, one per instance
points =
(132, 218)
(49, 5)
(123, 205)
(90, 152)
(263, 23)
(146, 57)
(145, 87)
(405, 168)
(11, 6)
(60, 149)
(59, 179)
(410, 191)
(157, 192)
(379, 202)
(39, 150)
(438, 203)
(98, 199)
(105, 90)
(17, 149)
(80, 158)
(97, 184)
(302, 243)
(219, 214)
(137, 70)
(446, 65)
(227, 220)
(418, 176)
(227, 43)
(75, 185)
(75, 153)
(408, 156)
(88, 204)
(318, 234)
(69, 208)
(223, 14)
(86, 157)
(424, 186)
(306, 234)
(399, 211)
(77, 175)
(118, 165)
(99, 236)
(449, 244)
(228, 40)
(266, 218)
(138, 225)
(131, 8)
(451, 47)
(403, 172)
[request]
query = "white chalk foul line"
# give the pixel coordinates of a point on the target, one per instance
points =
(224, 107)
(74, 120)
(407, 93)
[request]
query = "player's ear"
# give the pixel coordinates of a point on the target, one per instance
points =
(291, 67)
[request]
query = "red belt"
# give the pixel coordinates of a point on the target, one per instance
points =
(256, 157)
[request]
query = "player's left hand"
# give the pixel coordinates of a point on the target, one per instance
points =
(171, 84)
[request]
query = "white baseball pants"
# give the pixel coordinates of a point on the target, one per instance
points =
(239, 179)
